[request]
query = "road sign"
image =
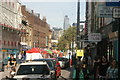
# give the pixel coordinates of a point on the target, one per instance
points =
(113, 3)
(116, 12)
(94, 37)
(104, 11)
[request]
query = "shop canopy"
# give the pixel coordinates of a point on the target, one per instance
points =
(49, 51)
(33, 50)
(42, 51)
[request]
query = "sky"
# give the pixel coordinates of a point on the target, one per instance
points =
(55, 11)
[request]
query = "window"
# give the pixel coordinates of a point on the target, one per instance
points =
(0, 42)
(8, 43)
(11, 43)
(33, 69)
(13, 4)
(15, 43)
(4, 42)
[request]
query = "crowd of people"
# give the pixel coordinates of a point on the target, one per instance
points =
(101, 69)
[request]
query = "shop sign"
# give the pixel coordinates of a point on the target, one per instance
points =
(104, 11)
(80, 52)
(4, 50)
(113, 35)
(116, 12)
(94, 37)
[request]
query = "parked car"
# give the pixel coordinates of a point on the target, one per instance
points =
(64, 62)
(53, 64)
(33, 70)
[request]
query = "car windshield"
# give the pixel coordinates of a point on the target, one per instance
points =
(33, 69)
(49, 62)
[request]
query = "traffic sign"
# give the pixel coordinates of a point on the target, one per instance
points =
(113, 3)
(116, 12)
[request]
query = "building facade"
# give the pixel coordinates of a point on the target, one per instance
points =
(10, 20)
(38, 30)
(107, 27)
(56, 34)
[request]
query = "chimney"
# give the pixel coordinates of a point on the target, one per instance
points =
(32, 11)
(38, 15)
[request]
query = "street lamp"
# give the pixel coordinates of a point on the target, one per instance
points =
(78, 37)
(78, 30)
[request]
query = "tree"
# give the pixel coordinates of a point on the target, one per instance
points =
(68, 36)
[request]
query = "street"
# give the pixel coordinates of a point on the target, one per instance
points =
(45, 37)
(65, 74)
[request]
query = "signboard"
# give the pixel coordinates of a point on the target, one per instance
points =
(95, 37)
(104, 11)
(116, 12)
(113, 3)
(80, 52)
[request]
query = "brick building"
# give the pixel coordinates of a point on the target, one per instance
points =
(39, 30)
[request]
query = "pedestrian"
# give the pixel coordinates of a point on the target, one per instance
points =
(84, 73)
(78, 66)
(74, 59)
(112, 71)
(95, 65)
(20, 56)
(77, 69)
(11, 61)
(12, 65)
(102, 68)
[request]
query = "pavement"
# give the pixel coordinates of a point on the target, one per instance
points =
(4, 73)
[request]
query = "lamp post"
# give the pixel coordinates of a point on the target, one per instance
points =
(77, 38)
(78, 30)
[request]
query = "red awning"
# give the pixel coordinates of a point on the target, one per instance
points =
(33, 50)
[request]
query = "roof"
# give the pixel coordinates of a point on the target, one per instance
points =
(34, 63)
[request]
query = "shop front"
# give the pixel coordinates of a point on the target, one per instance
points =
(114, 42)
(5, 53)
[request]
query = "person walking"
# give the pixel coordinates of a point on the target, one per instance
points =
(112, 71)
(95, 65)
(77, 69)
(102, 68)
(84, 73)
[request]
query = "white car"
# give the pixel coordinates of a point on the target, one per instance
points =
(33, 71)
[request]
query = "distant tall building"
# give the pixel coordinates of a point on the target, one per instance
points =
(66, 23)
